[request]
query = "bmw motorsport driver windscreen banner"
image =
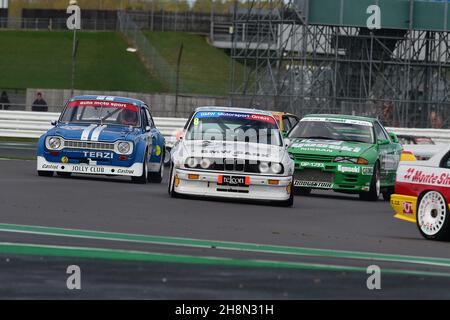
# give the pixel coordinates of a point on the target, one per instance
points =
(234, 132)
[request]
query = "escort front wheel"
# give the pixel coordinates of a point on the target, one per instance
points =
(45, 173)
(157, 177)
(144, 177)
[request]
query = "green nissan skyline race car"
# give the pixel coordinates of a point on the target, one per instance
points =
(346, 154)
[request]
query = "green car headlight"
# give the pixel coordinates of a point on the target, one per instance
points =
(352, 160)
(346, 160)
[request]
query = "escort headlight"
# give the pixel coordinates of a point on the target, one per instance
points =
(206, 163)
(264, 167)
(192, 162)
(276, 167)
(123, 147)
(54, 143)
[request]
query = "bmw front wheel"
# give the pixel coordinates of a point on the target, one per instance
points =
(171, 188)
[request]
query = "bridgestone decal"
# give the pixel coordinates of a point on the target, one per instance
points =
(313, 184)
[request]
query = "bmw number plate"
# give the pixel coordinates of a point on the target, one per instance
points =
(233, 181)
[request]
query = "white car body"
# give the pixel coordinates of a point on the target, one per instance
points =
(423, 151)
(267, 186)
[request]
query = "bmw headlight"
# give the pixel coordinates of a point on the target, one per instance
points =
(192, 162)
(124, 147)
(264, 167)
(276, 167)
(206, 163)
(54, 143)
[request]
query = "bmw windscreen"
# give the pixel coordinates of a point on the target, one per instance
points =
(231, 126)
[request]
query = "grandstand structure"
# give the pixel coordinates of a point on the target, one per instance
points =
(319, 56)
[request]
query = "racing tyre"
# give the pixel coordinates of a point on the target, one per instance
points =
(157, 177)
(302, 191)
(45, 173)
(171, 188)
(167, 157)
(288, 203)
(433, 217)
(144, 177)
(375, 186)
(388, 193)
(64, 174)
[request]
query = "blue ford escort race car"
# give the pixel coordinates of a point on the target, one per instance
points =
(103, 136)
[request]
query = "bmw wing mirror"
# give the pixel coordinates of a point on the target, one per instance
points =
(148, 129)
(287, 142)
(54, 122)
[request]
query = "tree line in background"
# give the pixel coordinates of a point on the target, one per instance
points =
(219, 6)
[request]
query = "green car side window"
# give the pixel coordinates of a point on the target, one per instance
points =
(382, 138)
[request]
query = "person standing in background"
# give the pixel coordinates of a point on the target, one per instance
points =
(436, 120)
(4, 101)
(39, 104)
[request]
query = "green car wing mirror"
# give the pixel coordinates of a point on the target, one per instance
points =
(393, 137)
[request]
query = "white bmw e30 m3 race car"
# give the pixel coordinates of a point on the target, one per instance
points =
(232, 153)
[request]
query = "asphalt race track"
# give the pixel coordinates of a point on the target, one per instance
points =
(134, 241)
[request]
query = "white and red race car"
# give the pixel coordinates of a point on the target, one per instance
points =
(422, 195)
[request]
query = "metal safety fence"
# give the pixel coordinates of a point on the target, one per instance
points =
(33, 124)
(24, 124)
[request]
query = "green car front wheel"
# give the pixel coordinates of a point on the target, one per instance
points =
(375, 186)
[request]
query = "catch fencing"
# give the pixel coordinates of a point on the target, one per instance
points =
(149, 54)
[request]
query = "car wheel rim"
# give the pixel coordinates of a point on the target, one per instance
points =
(431, 213)
(167, 157)
(378, 184)
(172, 180)
(145, 168)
